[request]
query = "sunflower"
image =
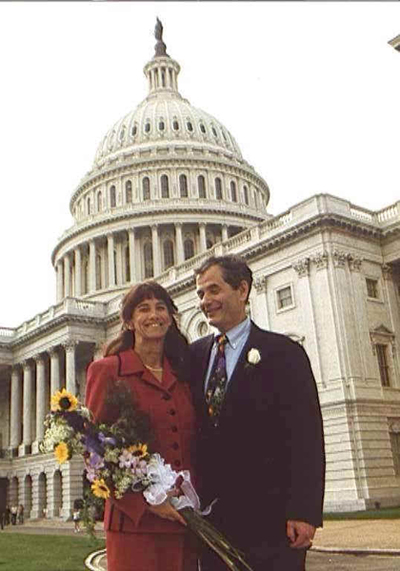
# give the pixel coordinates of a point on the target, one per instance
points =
(100, 489)
(63, 401)
(138, 450)
(61, 453)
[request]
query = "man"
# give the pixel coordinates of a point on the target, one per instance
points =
(261, 449)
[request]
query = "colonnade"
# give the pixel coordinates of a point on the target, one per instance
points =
(33, 381)
(117, 257)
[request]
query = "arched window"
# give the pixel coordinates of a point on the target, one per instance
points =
(85, 276)
(168, 254)
(164, 186)
(183, 186)
(134, 130)
(202, 128)
(214, 131)
(189, 125)
(113, 197)
(175, 125)
(146, 188)
(88, 205)
(218, 188)
(201, 182)
(147, 127)
(99, 202)
(148, 260)
(161, 125)
(188, 248)
(246, 194)
(233, 191)
(128, 191)
(255, 200)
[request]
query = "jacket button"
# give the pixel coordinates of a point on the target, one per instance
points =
(166, 397)
(172, 412)
(174, 428)
(175, 446)
(177, 463)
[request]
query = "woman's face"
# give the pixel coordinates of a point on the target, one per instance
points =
(150, 320)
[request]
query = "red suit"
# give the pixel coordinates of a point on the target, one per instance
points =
(138, 540)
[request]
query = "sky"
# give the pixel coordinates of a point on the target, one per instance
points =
(309, 90)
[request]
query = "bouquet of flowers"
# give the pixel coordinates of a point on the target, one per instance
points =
(118, 461)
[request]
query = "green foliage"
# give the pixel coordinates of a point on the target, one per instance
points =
(26, 552)
(387, 513)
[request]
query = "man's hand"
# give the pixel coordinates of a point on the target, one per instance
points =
(300, 534)
(167, 511)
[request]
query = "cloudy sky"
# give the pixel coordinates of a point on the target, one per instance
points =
(309, 90)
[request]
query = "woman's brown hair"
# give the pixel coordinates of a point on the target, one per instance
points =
(176, 347)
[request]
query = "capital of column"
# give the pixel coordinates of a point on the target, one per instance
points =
(39, 358)
(321, 260)
(70, 345)
(260, 283)
(302, 267)
(354, 262)
(387, 271)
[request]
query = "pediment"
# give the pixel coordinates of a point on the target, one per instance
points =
(382, 330)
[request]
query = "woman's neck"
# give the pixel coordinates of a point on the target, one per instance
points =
(151, 353)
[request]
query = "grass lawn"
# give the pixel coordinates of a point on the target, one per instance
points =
(19, 552)
(387, 513)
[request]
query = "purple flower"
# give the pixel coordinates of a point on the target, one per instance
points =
(106, 439)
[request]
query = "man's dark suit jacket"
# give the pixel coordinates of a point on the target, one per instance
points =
(265, 461)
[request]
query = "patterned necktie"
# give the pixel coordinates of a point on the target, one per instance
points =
(218, 381)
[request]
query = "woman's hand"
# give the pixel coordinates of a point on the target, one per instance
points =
(166, 511)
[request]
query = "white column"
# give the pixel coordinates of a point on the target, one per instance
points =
(70, 366)
(92, 266)
(40, 397)
(259, 303)
(224, 232)
(78, 272)
(203, 241)
(179, 243)
(16, 401)
(156, 250)
(120, 280)
(111, 263)
(132, 265)
(55, 380)
(60, 280)
(67, 275)
(27, 406)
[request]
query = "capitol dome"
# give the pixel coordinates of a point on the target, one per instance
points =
(168, 183)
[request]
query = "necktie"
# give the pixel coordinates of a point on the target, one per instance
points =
(217, 382)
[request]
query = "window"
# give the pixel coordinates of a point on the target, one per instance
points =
(202, 128)
(284, 297)
(395, 445)
(175, 125)
(148, 260)
(168, 254)
(372, 288)
(161, 125)
(201, 182)
(113, 197)
(183, 186)
(127, 265)
(255, 200)
(99, 205)
(218, 189)
(383, 364)
(246, 194)
(164, 186)
(128, 191)
(98, 271)
(214, 132)
(147, 127)
(122, 134)
(146, 188)
(188, 248)
(88, 205)
(189, 126)
(233, 191)
(134, 130)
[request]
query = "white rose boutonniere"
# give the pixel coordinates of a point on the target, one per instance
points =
(253, 357)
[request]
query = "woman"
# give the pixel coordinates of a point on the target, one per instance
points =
(149, 357)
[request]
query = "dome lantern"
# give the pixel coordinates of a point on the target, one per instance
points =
(162, 71)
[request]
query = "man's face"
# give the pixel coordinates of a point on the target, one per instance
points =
(223, 306)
